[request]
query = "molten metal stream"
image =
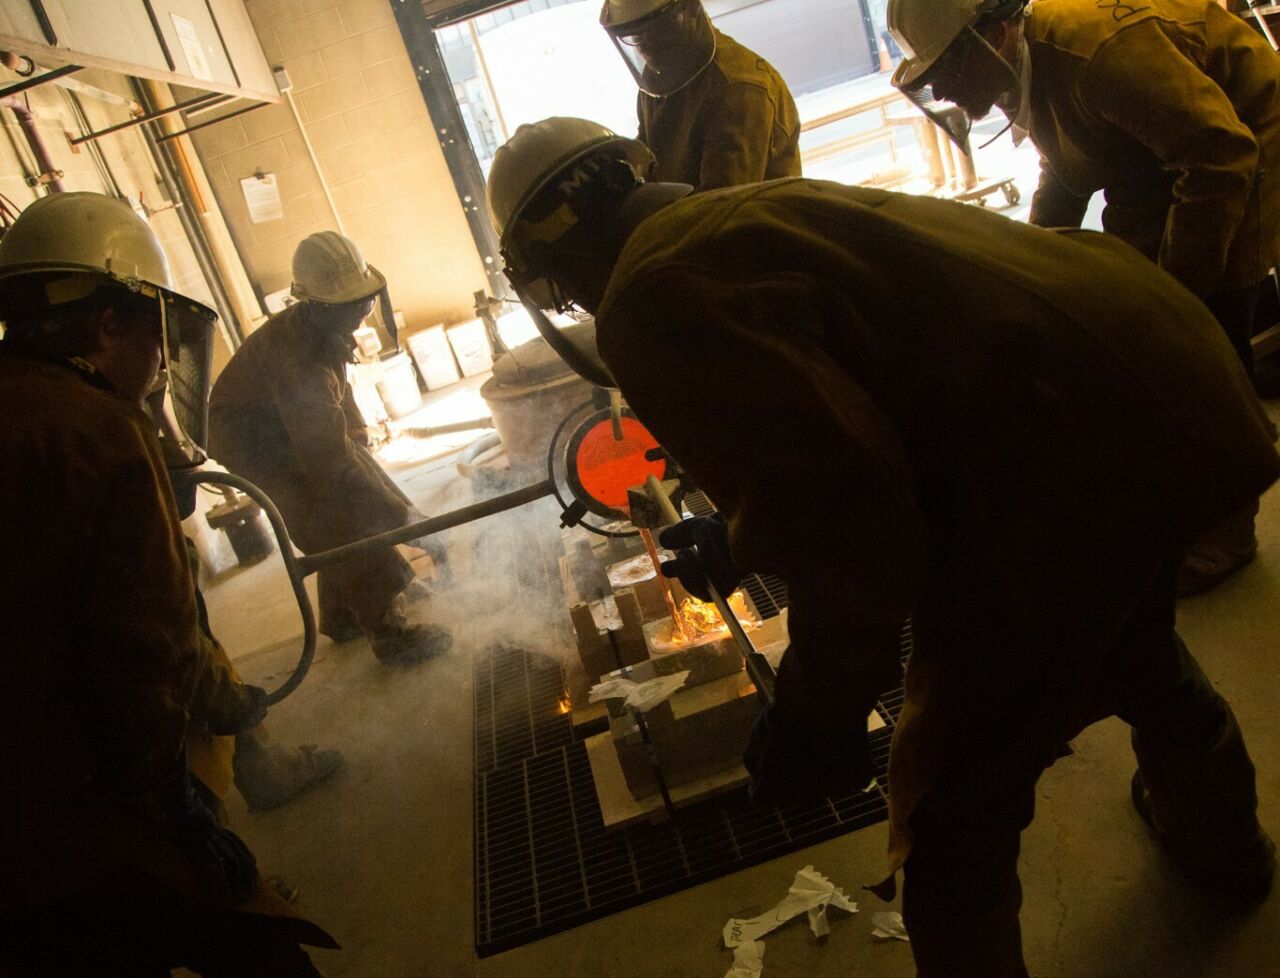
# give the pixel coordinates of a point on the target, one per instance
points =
(677, 624)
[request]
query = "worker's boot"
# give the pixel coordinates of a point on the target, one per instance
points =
(268, 774)
(1219, 552)
(1201, 807)
(411, 644)
(336, 620)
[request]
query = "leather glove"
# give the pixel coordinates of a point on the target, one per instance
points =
(712, 561)
(790, 765)
(247, 709)
(804, 748)
(223, 862)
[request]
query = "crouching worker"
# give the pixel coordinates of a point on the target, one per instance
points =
(109, 862)
(282, 415)
(910, 406)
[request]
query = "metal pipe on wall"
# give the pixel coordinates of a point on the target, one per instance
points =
(286, 89)
(48, 174)
(195, 234)
(230, 270)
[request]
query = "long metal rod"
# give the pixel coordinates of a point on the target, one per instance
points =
(164, 45)
(435, 524)
(46, 25)
(315, 162)
(208, 100)
(226, 51)
(162, 158)
(212, 122)
(37, 80)
(1262, 23)
(758, 667)
(292, 567)
(448, 429)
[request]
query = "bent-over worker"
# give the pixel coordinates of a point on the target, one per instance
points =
(1013, 446)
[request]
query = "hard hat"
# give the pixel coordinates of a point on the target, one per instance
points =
(565, 153)
(65, 246)
(619, 13)
(83, 232)
(665, 44)
(924, 29)
(329, 268)
(538, 153)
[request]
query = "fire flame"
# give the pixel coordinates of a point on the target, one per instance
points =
(565, 704)
(700, 618)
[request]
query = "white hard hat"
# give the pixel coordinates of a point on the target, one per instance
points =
(617, 13)
(924, 29)
(83, 232)
(329, 268)
(540, 151)
(64, 247)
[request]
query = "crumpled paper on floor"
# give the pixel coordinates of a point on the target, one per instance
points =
(639, 696)
(748, 960)
(889, 925)
(811, 893)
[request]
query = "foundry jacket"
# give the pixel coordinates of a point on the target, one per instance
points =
(103, 662)
(282, 415)
(1173, 108)
(735, 123)
(890, 396)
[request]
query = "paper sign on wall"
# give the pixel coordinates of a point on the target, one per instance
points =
(262, 195)
(189, 38)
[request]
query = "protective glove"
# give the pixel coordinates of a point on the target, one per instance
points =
(789, 765)
(811, 741)
(712, 561)
(222, 861)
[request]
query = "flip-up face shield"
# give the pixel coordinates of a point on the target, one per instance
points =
(187, 328)
(962, 86)
(668, 49)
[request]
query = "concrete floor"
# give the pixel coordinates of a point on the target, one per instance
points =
(383, 852)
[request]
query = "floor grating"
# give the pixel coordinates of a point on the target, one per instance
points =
(544, 860)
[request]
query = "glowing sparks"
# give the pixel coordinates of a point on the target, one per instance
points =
(700, 621)
(565, 705)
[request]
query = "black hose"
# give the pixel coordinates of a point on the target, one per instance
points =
(292, 566)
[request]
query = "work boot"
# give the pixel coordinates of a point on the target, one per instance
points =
(341, 634)
(268, 775)
(1241, 874)
(412, 644)
(1219, 552)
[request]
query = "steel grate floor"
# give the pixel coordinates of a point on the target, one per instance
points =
(544, 861)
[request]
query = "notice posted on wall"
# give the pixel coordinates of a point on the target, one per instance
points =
(189, 38)
(262, 195)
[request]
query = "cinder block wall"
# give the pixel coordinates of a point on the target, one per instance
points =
(362, 109)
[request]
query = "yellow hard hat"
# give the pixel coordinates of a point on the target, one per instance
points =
(538, 153)
(924, 29)
(329, 268)
(618, 13)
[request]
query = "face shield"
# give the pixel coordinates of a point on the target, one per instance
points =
(668, 49)
(187, 328)
(962, 86)
(575, 343)
(542, 226)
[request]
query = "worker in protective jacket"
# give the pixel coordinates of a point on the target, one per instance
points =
(282, 415)
(109, 861)
(1013, 447)
(1170, 107)
(714, 113)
